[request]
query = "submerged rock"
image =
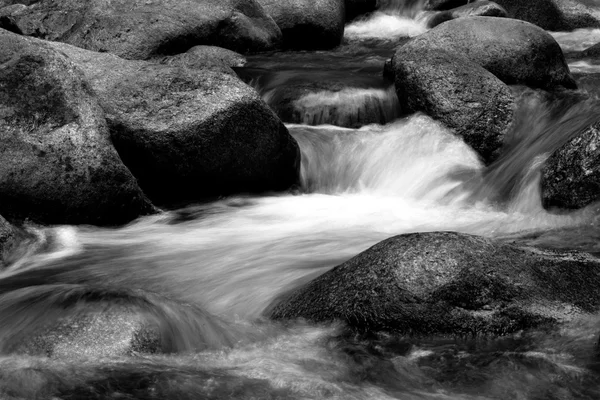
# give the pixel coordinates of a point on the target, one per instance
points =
(571, 176)
(449, 283)
(439, 5)
(457, 92)
(144, 29)
(188, 133)
(57, 163)
(515, 51)
(554, 15)
(308, 24)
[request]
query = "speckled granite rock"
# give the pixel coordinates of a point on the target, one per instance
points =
(449, 283)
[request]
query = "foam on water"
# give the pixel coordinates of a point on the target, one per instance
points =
(577, 40)
(584, 67)
(384, 26)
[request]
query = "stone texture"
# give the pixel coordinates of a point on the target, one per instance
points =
(571, 176)
(142, 29)
(515, 51)
(57, 163)
(461, 94)
(449, 283)
(308, 24)
(188, 133)
(554, 15)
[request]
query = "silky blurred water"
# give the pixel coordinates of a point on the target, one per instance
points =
(201, 277)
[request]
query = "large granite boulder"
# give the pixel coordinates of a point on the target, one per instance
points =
(140, 29)
(449, 283)
(555, 15)
(188, 133)
(308, 24)
(57, 162)
(571, 176)
(515, 51)
(457, 92)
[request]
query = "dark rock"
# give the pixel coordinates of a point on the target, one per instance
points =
(188, 133)
(203, 57)
(449, 283)
(514, 51)
(481, 8)
(457, 92)
(308, 24)
(440, 5)
(57, 163)
(355, 8)
(431, 19)
(571, 176)
(145, 29)
(591, 52)
(10, 238)
(553, 15)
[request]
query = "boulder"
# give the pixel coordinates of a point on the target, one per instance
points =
(440, 5)
(515, 51)
(144, 29)
(10, 236)
(189, 133)
(207, 57)
(481, 8)
(449, 283)
(571, 176)
(355, 8)
(591, 52)
(457, 92)
(554, 15)
(57, 163)
(308, 24)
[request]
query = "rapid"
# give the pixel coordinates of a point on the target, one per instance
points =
(204, 275)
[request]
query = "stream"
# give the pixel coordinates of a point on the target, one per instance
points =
(204, 275)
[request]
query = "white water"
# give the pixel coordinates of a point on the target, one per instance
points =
(384, 26)
(577, 40)
(348, 107)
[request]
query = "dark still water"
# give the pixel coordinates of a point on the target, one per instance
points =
(203, 276)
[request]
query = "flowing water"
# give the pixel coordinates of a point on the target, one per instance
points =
(202, 277)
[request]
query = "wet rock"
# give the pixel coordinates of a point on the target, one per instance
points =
(457, 92)
(57, 163)
(9, 238)
(449, 283)
(554, 15)
(481, 8)
(189, 133)
(591, 52)
(355, 8)
(308, 24)
(144, 29)
(515, 51)
(571, 176)
(440, 5)
(203, 57)
(118, 333)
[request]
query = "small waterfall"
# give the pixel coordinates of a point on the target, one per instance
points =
(350, 107)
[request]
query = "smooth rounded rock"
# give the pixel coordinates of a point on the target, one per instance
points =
(57, 162)
(449, 283)
(308, 24)
(189, 133)
(555, 15)
(142, 29)
(516, 52)
(457, 92)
